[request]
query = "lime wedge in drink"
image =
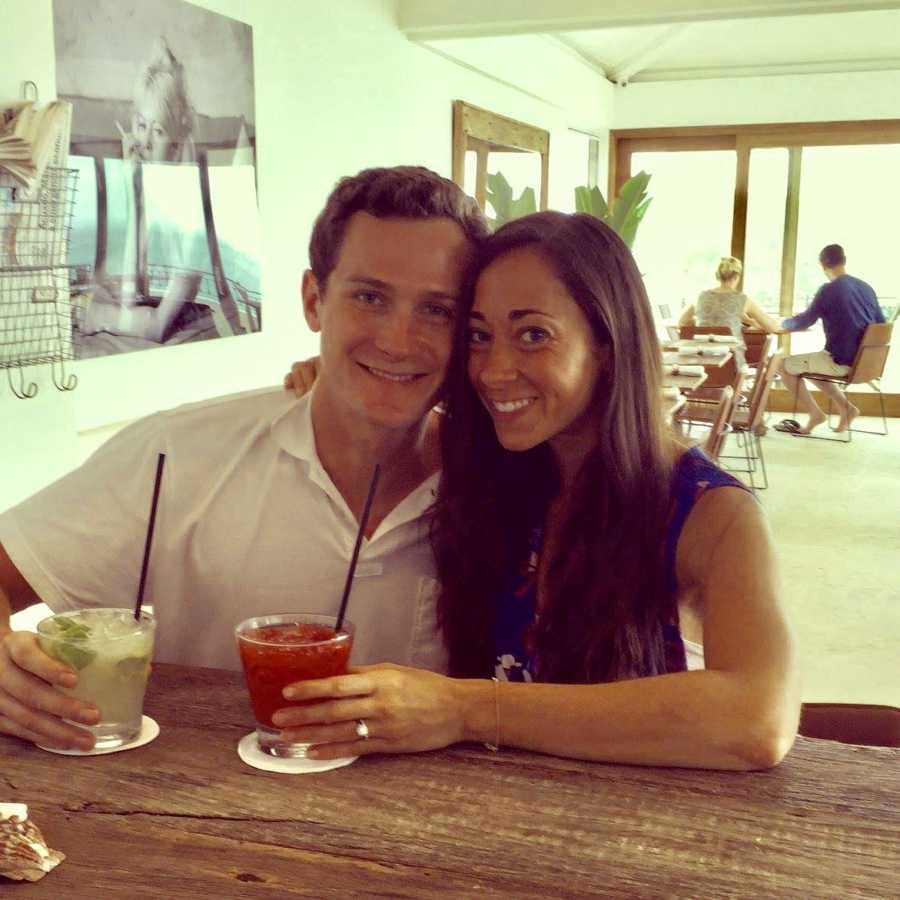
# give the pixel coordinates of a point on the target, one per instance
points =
(70, 653)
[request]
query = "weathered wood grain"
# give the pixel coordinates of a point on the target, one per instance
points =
(184, 817)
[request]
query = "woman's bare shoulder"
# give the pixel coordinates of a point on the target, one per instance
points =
(720, 514)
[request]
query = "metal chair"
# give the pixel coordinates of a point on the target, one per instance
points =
(746, 422)
(852, 723)
(867, 368)
(719, 426)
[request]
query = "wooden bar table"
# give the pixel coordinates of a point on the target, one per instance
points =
(183, 817)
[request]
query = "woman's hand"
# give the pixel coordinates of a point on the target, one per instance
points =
(130, 148)
(406, 710)
(302, 376)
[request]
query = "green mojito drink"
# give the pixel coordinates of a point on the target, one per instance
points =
(110, 651)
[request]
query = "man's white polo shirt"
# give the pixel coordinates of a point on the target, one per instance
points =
(249, 523)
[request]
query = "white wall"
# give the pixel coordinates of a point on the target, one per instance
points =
(745, 101)
(544, 68)
(338, 88)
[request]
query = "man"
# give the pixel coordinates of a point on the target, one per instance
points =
(262, 493)
(846, 306)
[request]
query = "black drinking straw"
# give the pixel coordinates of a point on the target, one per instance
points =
(150, 526)
(359, 537)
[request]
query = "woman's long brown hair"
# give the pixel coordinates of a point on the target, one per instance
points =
(607, 592)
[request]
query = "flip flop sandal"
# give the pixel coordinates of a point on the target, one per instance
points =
(788, 426)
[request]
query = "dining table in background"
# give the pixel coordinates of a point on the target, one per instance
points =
(707, 360)
(683, 381)
(183, 817)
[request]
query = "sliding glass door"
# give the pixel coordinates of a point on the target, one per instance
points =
(773, 195)
(688, 226)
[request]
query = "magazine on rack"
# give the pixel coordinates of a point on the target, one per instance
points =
(32, 137)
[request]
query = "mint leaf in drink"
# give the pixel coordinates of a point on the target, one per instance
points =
(72, 630)
(71, 654)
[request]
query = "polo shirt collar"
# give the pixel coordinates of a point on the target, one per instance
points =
(292, 430)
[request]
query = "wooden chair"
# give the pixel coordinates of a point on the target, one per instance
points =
(852, 723)
(761, 354)
(716, 376)
(719, 426)
(868, 368)
(755, 344)
(746, 422)
(686, 332)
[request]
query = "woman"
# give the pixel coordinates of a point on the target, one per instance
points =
(162, 124)
(162, 118)
(580, 548)
(726, 305)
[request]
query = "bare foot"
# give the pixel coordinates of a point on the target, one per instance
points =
(814, 422)
(847, 417)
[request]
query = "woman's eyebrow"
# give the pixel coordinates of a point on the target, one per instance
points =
(514, 314)
(519, 313)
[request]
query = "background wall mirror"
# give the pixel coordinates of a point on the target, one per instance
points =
(486, 144)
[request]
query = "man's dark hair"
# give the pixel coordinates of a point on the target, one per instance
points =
(832, 255)
(401, 192)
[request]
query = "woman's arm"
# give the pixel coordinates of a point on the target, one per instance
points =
(741, 712)
(759, 318)
(687, 315)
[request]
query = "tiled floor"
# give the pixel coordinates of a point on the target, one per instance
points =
(835, 513)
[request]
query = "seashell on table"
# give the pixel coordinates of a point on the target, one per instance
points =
(24, 854)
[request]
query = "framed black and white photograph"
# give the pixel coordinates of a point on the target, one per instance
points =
(164, 245)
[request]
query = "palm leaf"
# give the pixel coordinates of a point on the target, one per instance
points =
(525, 205)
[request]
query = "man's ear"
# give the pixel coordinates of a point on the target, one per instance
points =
(312, 297)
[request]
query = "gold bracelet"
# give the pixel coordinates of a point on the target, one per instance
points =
(496, 745)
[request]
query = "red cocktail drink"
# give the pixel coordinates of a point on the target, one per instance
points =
(279, 650)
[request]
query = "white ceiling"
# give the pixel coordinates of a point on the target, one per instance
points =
(835, 42)
(671, 40)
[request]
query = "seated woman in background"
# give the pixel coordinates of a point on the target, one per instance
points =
(584, 554)
(726, 305)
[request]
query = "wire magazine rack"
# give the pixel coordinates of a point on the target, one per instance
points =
(35, 308)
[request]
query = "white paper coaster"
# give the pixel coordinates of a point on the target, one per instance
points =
(149, 731)
(249, 752)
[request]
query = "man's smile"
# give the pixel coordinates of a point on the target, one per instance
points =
(399, 377)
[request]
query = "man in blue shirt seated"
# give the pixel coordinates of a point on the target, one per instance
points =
(846, 306)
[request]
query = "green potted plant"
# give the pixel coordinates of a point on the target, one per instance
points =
(627, 209)
(623, 216)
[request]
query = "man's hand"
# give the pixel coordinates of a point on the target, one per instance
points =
(302, 376)
(30, 706)
(406, 710)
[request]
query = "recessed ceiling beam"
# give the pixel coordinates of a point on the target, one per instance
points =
(629, 68)
(424, 20)
(820, 67)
